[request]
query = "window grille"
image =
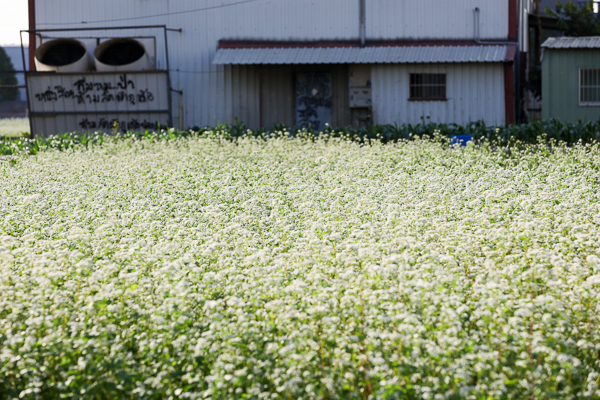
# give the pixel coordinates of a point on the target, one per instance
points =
(589, 87)
(426, 87)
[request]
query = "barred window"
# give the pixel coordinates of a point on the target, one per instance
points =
(589, 86)
(427, 87)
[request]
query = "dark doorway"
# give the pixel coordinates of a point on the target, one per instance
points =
(314, 100)
(279, 100)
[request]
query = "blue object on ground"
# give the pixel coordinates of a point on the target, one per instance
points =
(460, 139)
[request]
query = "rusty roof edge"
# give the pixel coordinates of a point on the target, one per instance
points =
(280, 44)
(511, 53)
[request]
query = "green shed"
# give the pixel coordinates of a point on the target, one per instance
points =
(571, 79)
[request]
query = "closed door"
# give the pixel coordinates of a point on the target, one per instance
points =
(313, 100)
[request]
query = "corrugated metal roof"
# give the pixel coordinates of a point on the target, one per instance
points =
(592, 42)
(357, 55)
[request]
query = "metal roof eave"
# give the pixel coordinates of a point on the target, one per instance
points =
(366, 55)
(588, 42)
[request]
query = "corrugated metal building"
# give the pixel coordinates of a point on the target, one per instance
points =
(336, 61)
(571, 79)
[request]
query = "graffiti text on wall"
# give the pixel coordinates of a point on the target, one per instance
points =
(107, 125)
(97, 92)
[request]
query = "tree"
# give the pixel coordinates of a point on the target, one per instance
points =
(574, 20)
(7, 78)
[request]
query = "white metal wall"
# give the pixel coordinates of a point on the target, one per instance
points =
(474, 91)
(436, 19)
(206, 93)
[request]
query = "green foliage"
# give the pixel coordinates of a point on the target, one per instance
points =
(7, 79)
(502, 136)
(574, 20)
(550, 132)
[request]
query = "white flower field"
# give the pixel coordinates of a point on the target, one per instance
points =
(291, 269)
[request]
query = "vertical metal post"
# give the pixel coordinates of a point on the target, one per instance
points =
(32, 26)
(168, 78)
(22, 51)
(519, 92)
(260, 97)
(476, 24)
(363, 22)
(31, 36)
(26, 74)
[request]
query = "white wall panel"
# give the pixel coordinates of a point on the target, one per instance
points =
(474, 91)
(436, 19)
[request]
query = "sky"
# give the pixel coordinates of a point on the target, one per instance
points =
(14, 18)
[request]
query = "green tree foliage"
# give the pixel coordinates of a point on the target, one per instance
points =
(7, 79)
(575, 20)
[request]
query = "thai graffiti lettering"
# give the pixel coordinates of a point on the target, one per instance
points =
(107, 124)
(87, 92)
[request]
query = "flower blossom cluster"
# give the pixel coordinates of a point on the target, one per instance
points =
(289, 268)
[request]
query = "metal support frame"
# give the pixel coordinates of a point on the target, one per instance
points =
(26, 73)
(33, 32)
(12, 86)
(32, 25)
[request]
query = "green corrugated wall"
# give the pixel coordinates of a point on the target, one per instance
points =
(560, 84)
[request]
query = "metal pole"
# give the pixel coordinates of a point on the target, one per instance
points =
(97, 29)
(168, 78)
(26, 86)
(363, 22)
(22, 52)
(518, 93)
(31, 36)
(476, 23)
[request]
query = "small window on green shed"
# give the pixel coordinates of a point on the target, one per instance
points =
(589, 87)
